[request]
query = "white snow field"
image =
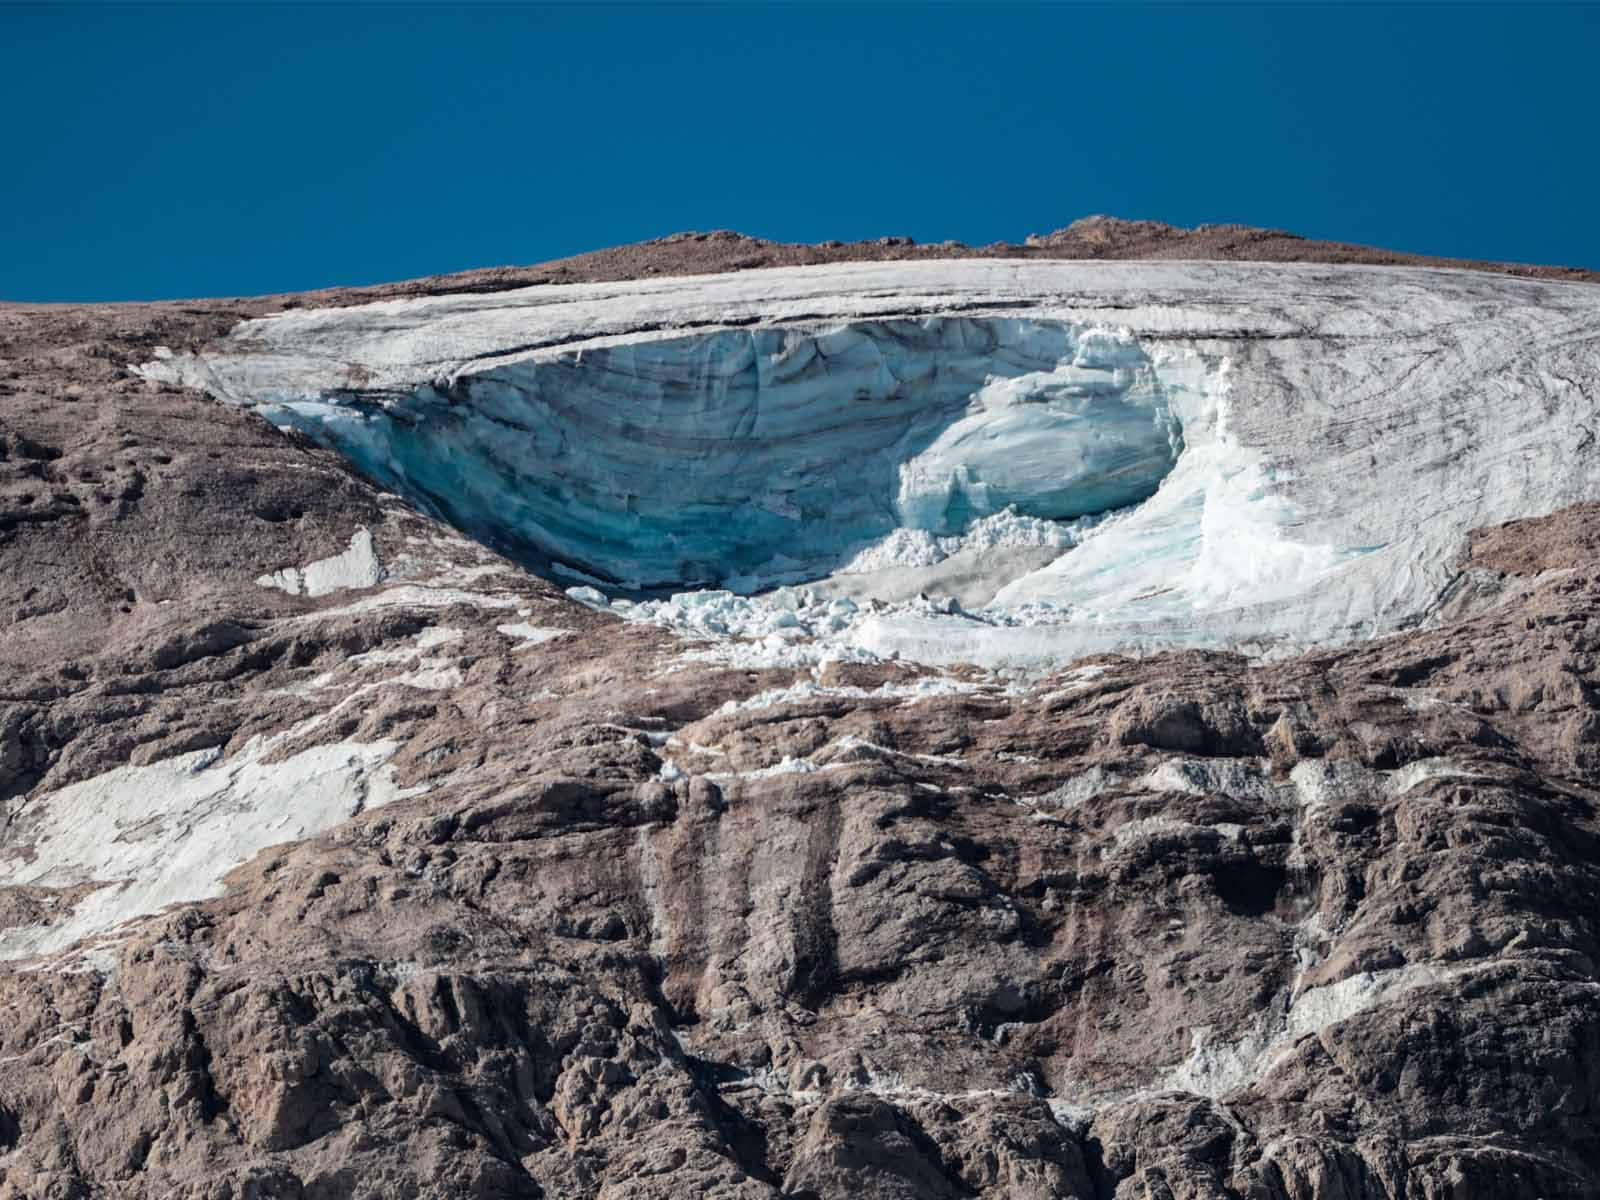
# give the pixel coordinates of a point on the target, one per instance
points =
(1066, 457)
(141, 837)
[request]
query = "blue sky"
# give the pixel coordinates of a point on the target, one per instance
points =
(192, 150)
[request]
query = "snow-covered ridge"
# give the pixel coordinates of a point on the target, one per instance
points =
(1340, 429)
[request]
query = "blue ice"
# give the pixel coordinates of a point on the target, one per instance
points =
(772, 452)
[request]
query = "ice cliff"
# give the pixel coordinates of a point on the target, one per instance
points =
(757, 456)
(1088, 455)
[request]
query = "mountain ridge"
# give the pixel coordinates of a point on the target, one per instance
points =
(439, 881)
(1097, 237)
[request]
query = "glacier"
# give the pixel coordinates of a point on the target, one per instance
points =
(1008, 463)
(748, 458)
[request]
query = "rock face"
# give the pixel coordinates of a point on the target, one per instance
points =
(344, 857)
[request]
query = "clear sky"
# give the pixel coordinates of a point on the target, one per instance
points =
(191, 150)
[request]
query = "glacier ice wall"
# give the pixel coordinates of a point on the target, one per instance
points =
(748, 457)
(1338, 432)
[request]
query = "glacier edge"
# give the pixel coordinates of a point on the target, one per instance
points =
(1342, 428)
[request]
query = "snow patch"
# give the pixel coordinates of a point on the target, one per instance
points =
(1216, 1067)
(1320, 785)
(415, 596)
(785, 766)
(1072, 793)
(1414, 775)
(355, 567)
(925, 687)
(531, 635)
(156, 835)
(1144, 829)
(1211, 777)
(438, 635)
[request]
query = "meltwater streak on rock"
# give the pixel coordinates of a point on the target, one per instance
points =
(772, 454)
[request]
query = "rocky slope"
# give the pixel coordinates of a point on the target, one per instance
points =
(346, 857)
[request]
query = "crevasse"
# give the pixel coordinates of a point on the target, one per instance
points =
(750, 457)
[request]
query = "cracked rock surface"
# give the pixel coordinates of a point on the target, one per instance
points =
(345, 858)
